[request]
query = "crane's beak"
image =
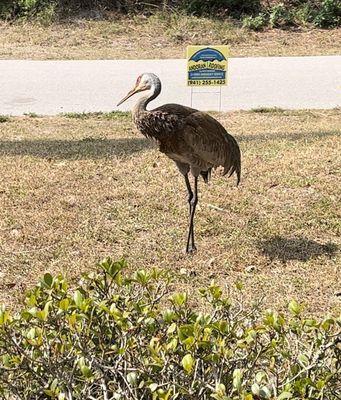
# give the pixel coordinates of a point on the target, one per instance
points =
(130, 93)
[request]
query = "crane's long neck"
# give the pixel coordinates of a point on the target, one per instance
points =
(141, 105)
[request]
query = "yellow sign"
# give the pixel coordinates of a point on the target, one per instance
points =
(207, 65)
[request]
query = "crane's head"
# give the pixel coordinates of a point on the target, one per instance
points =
(146, 81)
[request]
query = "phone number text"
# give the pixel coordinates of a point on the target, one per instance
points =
(207, 82)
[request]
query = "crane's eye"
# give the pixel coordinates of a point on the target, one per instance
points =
(138, 80)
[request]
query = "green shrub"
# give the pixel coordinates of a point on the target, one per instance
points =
(256, 23)
(4, 118)
(329, 14)
(303, 14)
(116, 336)
(5, 9)
(234, 8)
(280, 16)
(30, 7)
(41, 10)
(323, 14)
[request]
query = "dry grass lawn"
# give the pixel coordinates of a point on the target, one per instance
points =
(158, 36)
(74, 190)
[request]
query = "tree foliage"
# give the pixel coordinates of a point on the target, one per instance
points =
(123, 336)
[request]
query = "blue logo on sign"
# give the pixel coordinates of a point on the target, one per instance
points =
(207, 55)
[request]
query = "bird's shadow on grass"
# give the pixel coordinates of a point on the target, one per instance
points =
(300, 249)
(87, 148)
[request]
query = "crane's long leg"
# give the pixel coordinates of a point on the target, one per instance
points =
(190, 193)
(190, 197)
(193, 203)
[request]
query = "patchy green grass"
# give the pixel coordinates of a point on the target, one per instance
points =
(157, 36)
(105, 115)
(270, 110)
(32, 115)
(74, 190)
(4, 118)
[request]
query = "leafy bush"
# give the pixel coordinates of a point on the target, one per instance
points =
(234, 8)
(323, 14)
(41, 10)
(280, 16)
(5, 9)
(329, 14)
(303, 14)
(117, 337)
(4, 118)
(256, 23)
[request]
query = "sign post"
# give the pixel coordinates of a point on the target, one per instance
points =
(207, 66)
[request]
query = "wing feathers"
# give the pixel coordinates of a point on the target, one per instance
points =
(210, 141)
(193, 137)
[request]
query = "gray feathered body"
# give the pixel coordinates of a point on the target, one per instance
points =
(193, 139)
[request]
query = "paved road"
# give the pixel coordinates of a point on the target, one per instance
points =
(52, 87)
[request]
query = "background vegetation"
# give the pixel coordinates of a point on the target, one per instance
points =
(254, 14)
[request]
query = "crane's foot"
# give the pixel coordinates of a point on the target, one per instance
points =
(191, 249)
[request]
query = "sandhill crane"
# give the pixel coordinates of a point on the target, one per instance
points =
(194, 140)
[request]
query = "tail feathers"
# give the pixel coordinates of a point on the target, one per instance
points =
(233, 157)
(238, 172)
(236, 167)
(232, 163)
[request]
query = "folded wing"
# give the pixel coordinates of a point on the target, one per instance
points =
(210, 142)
